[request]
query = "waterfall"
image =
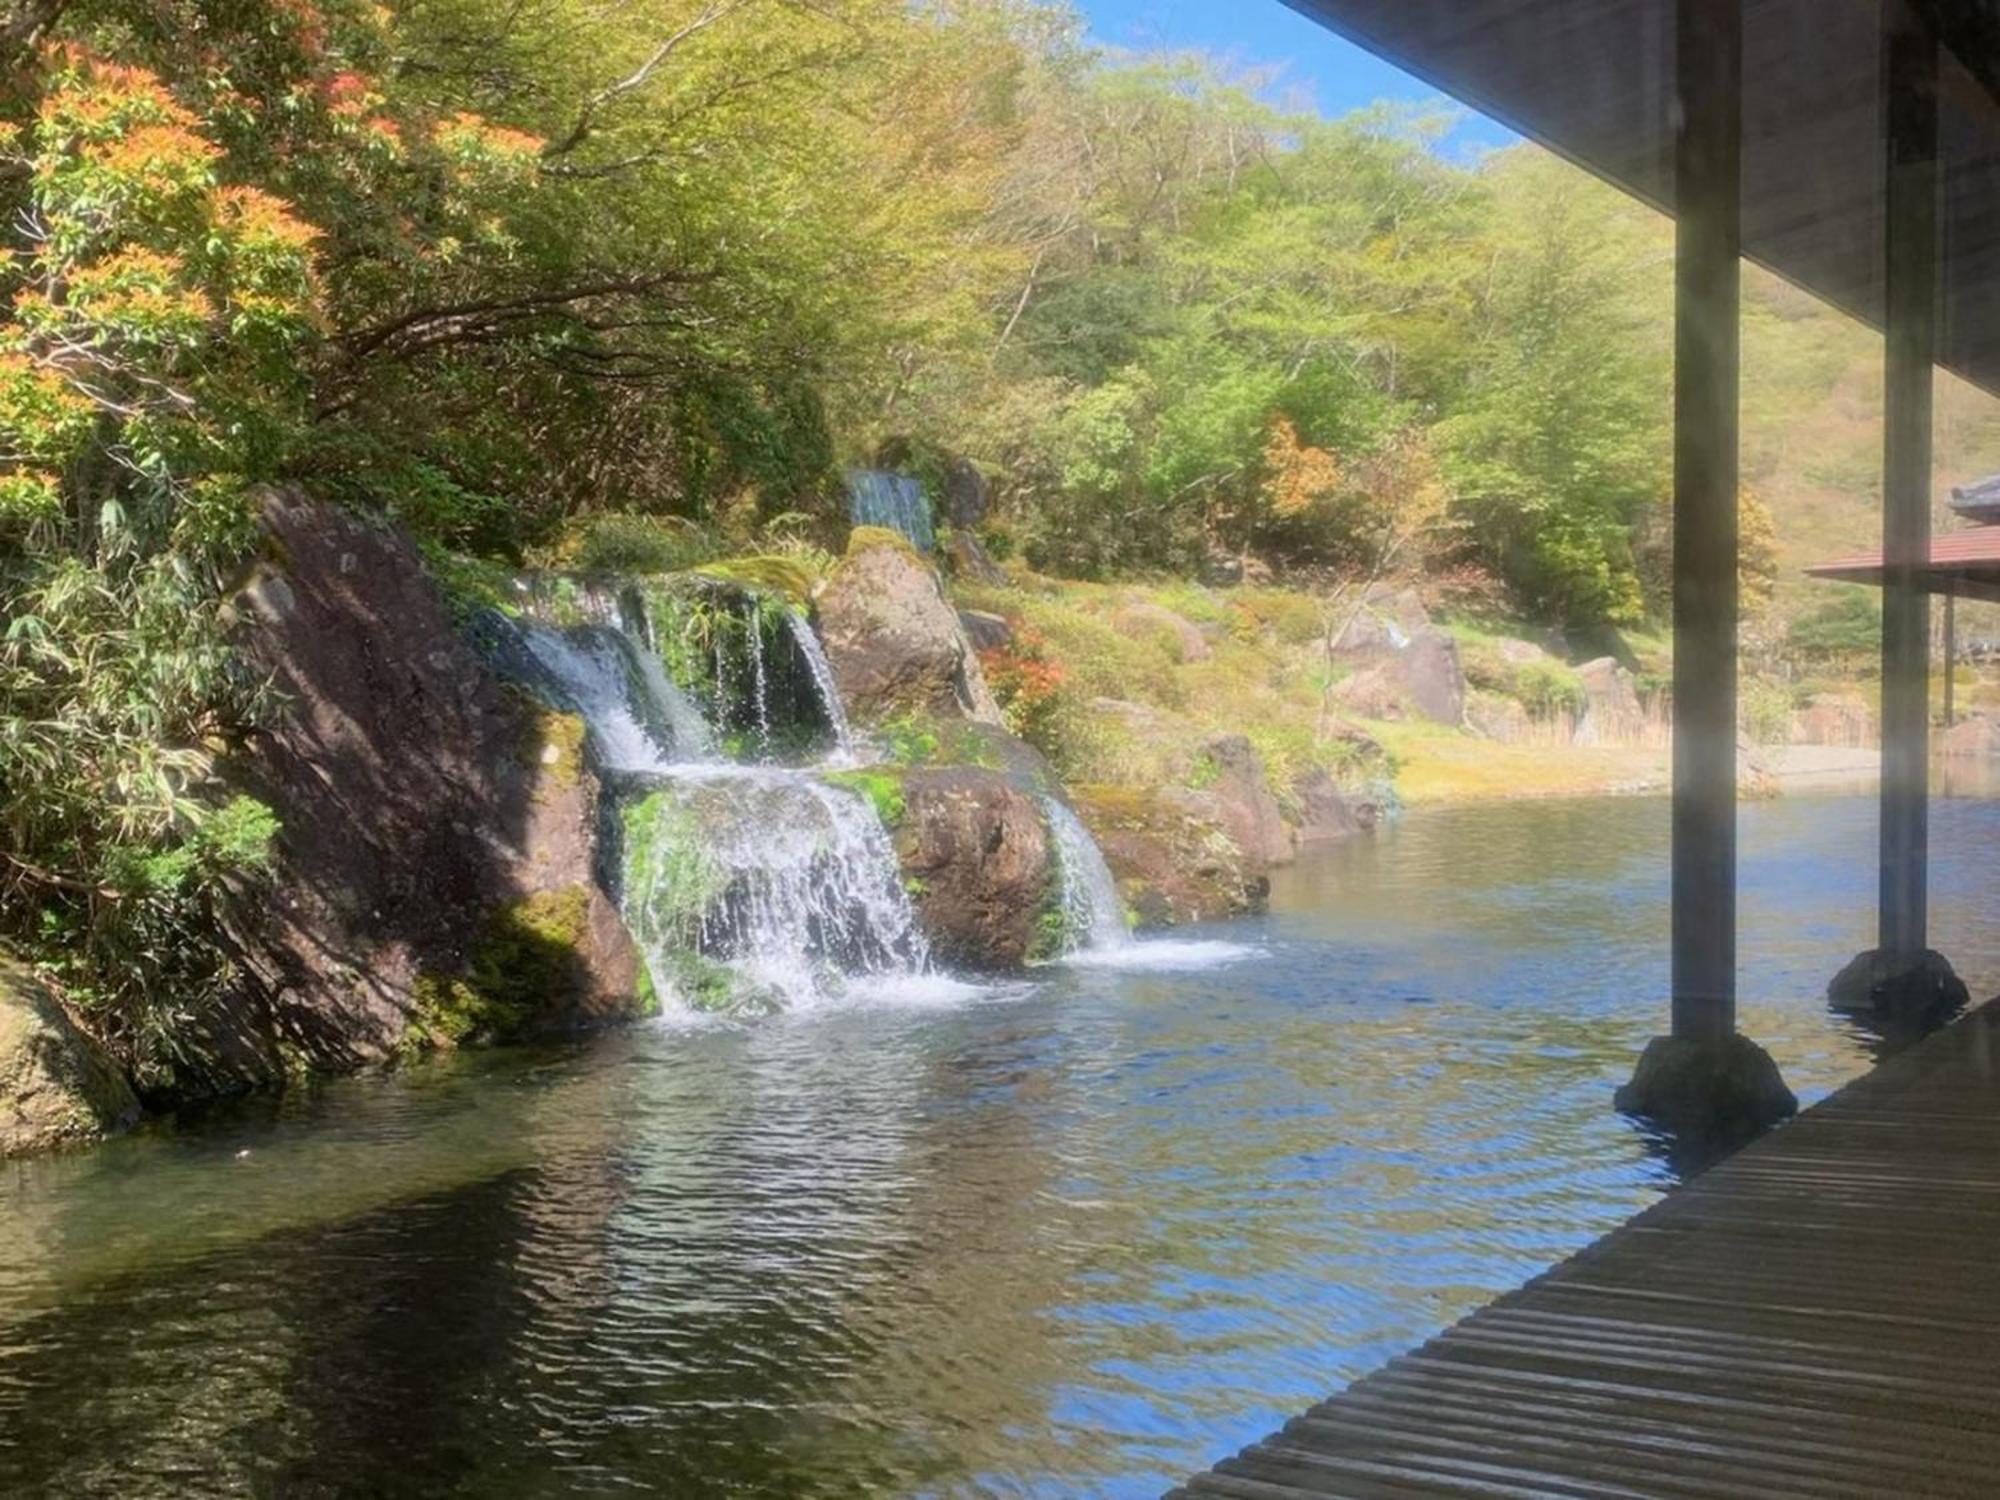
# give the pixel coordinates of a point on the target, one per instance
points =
(760, 687)
(759, 888)
(876, 497)
(1093, 914)
(745, 887)
(814, 655)
(638, 720)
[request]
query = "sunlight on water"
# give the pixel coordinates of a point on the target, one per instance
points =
(1075, 1237)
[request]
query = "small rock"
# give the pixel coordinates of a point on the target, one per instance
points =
(1249, 811)
(969, 559)
(1325, 814)
(966, 494)
(1611, 714)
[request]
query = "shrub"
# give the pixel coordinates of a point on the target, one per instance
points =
(1766, 708)
(1548, 688)
(1845, 626)
(619, 543)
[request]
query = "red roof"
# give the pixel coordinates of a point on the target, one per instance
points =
(1974, 553)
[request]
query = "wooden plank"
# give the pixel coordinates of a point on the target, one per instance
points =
(1813, 1317)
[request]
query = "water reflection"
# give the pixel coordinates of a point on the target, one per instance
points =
(1070, 1241)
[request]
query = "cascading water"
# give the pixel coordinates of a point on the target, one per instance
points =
(1093, 915)
(760, 888)
(760, 689)
(638, 720)
(745, 886)
(877, 497)
(821, 671)
(761, 885)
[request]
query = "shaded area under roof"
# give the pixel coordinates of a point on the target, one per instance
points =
(1593, 81)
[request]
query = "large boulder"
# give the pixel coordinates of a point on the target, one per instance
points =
(57, 1086)
(1249, 810)
(1327, 814)
(438, 855)
(1402, 662)
(975, 856)
(1171, 851)
(1612, 714)
(1372, 692)
(893, 639)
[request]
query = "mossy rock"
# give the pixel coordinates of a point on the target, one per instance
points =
(881, 785)
(552, 741)
(865, 538)
(1171, 851)
(526, 963)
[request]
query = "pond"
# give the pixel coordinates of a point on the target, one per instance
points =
(1069, 1238)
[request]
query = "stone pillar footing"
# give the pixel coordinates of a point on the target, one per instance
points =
(1722, 1090)
(1919, 989)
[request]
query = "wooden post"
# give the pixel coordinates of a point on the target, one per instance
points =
(1909, 63)
(1950, 652)
(1707, 252)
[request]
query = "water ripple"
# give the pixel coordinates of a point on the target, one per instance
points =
(1066, 1239)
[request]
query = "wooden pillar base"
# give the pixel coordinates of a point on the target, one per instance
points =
(1905, 991)
(1711, 1094)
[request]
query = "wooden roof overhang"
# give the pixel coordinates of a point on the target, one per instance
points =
(1593, 80)
(1964, 563)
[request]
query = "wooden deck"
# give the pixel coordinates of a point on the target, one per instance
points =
(1817, 1316)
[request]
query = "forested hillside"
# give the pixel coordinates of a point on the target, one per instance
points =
(578, 285)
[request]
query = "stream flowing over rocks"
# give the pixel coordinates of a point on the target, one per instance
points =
(618, 797)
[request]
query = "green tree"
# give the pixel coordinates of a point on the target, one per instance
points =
(1559, 447)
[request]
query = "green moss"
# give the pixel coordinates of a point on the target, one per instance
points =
(863, 538)
(910, 739)
(470, 584)
(553, 741)
(526, 956)
(671, 882)
(790, 577)
(882, 787)
(1127, 806)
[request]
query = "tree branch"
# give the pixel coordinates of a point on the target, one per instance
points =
(427, 326)
(24, 24)
(587, 116)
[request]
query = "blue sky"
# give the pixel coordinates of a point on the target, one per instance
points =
(1333, 75)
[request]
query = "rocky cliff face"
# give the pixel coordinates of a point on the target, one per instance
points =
(438, 856)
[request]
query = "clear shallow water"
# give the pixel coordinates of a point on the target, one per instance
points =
(1068, 1238)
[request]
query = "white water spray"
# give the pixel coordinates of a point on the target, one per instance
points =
(1093, 913)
